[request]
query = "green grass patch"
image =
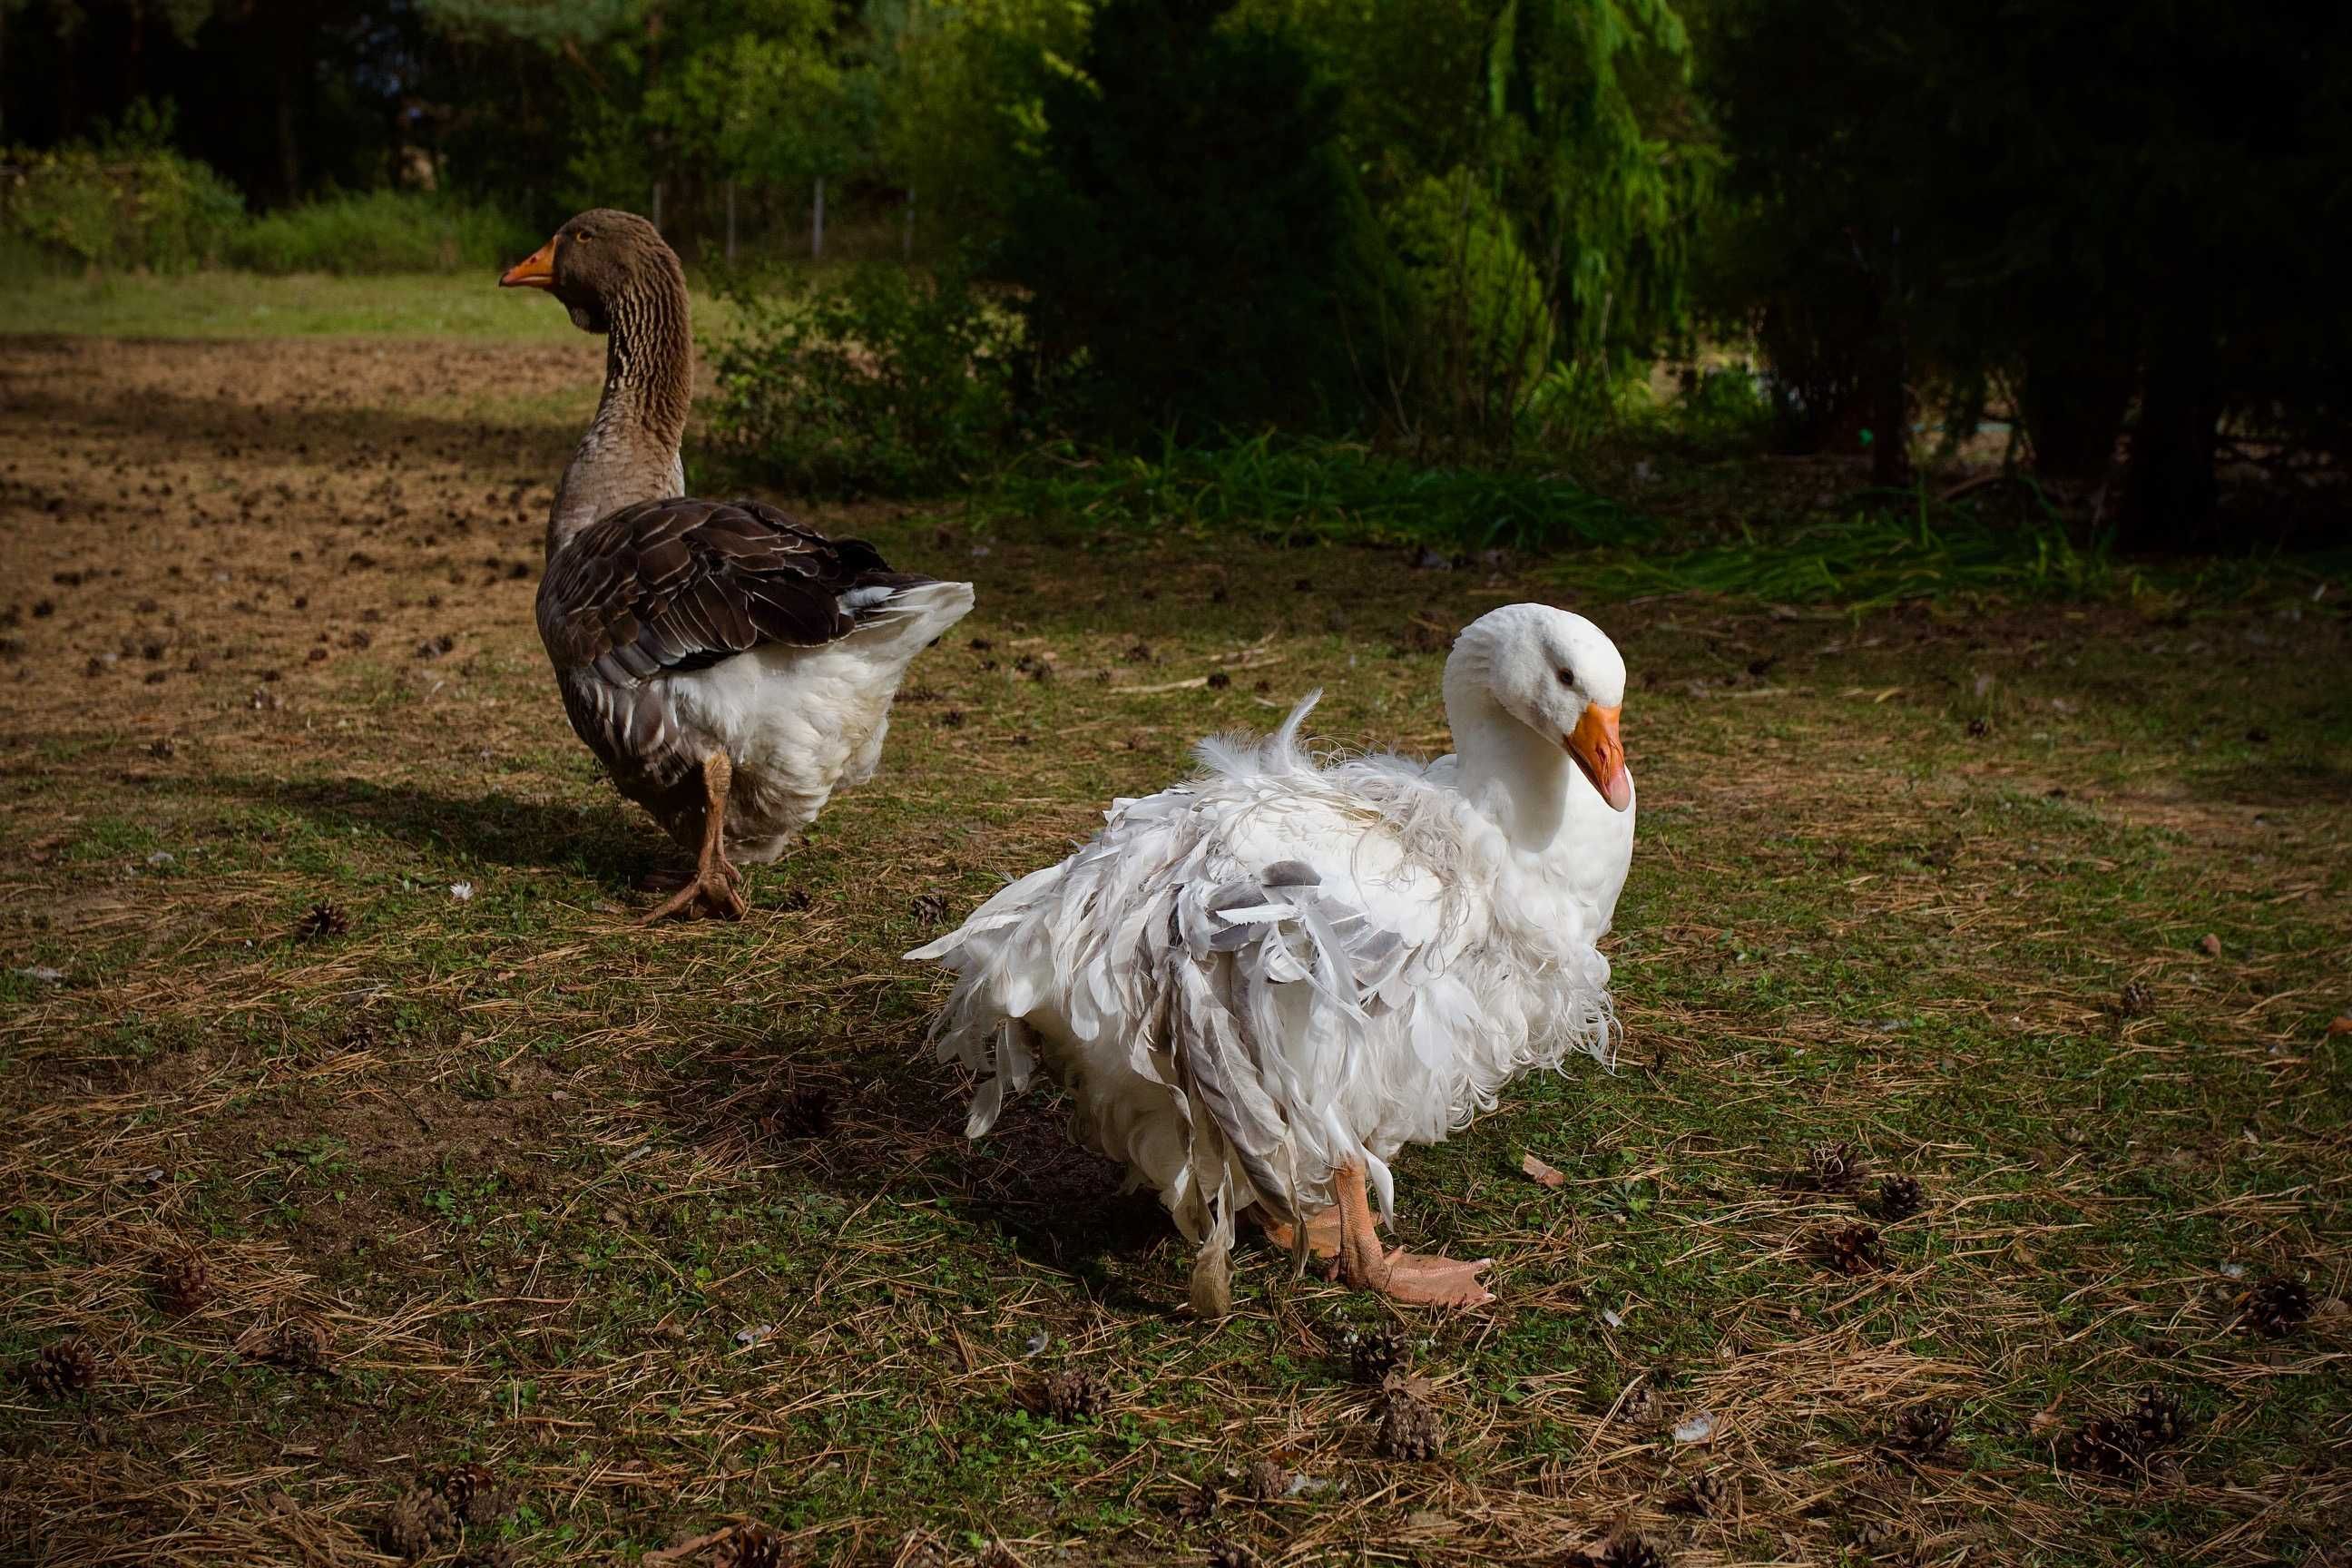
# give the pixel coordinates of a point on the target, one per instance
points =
(1328, 491)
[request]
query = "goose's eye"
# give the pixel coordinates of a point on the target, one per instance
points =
(1567, 678)
(585, 236)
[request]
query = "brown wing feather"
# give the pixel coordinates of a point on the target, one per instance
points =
(680, 584)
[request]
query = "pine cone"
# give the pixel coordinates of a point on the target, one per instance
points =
(1409, 1429)
(1706, 1494)
(1231, 1554)
(1923, 1430)
(804, 1113)
(1632, 1551)
(472, 1493)
(1872, 1533)
(298, 1344)
(1075, 1395)
(182, 1283)
(2101, 1447)
(1899, 1197)
(67, 1366)
(1833, 1167)
(929, 908)
(1197, 1506)
(2136, 1001)
(1639, 1407)
(1267, 1481)
(417, 1524)
(1853, 1250)
(2157, 1420)
(489, 1555)
(1371, 1357)
(752, 1547)
(2277, 1305)
(323, 921)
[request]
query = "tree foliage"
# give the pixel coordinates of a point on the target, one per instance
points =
(1193, 249)
(2111, 215)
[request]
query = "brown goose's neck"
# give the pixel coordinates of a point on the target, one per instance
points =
(630, 453)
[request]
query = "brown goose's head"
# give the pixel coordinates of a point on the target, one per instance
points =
(597, 262)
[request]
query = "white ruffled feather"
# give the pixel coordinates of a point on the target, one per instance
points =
(1248, 979)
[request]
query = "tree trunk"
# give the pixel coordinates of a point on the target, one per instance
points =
(2170, 491)
(2071, 407)
(731, 223)
(907, 246)
(1890, 413)
(131, 49)
(1887, 379)
(816, 223)
(289, 167)
(657, 204)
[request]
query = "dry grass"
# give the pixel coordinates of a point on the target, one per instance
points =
(676, 1231)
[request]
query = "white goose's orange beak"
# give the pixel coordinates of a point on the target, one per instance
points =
(536, 270)
(1595, 745)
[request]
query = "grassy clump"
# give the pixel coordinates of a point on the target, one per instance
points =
(1332, 491)
(381, 232)
(139, 208)
(1873, 556)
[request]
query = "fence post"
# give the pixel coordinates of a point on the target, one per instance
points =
(816, 223)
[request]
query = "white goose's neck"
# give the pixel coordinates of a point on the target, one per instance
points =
(630, 453)
(1511, 775)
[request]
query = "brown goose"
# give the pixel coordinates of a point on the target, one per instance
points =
(730, 666)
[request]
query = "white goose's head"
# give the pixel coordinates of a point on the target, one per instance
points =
(1559, 675)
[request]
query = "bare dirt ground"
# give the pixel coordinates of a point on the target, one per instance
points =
(673, 1232)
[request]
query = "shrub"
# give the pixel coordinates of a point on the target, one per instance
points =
(1194, 246)
(379, 232)
(1479, 335)
(138, 208)
(889, 382)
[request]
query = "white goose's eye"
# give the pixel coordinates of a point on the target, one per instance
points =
(1567, 677)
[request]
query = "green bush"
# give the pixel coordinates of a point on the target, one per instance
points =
(1193, 247)
(1480, 334)
(135, 207)
(381, 232)
(891, 383)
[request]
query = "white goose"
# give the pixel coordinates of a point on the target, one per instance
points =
(1259, 985)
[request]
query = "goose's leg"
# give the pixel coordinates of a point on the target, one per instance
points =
(1323, 1232)
(716, 880)
(1400, 1276)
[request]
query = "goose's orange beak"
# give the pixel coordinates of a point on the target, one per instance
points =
(1595, 745)
(536, 270)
